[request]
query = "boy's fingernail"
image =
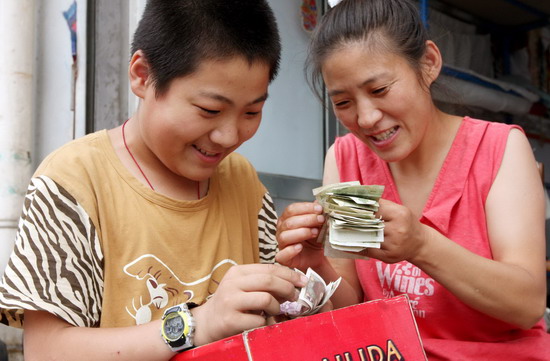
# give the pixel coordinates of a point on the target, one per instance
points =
(314, 231)
(318, 208)
(320, 219)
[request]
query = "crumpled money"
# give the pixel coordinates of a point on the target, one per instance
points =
(350, 208)
(313, 296)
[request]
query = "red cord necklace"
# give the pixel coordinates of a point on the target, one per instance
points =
(141, 170)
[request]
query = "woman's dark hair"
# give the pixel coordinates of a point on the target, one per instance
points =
(176, 36)
(393, 24)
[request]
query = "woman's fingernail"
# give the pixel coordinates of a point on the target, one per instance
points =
(298, 247)
(318, 208)
(314, 231)
(320, 219)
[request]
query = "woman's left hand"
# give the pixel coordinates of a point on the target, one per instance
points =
(404, 235)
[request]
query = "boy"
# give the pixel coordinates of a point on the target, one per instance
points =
(146, 221)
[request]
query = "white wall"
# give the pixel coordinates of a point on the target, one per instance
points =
(56, 123)
(17, 77)
(290, 138)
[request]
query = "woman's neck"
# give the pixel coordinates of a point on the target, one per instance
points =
(415, 176)
(434, 147)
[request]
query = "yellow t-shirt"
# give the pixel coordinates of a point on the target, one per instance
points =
(98, 248)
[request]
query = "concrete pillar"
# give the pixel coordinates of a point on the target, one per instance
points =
(17, 36)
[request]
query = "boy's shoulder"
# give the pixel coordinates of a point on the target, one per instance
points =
(236, 169)
(237, 164)
(77, 154)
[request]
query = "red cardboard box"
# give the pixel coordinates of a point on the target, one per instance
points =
(381, 330)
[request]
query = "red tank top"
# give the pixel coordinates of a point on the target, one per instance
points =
(450, 329)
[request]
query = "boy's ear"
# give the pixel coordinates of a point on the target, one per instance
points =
(432, 62)
(138, 74)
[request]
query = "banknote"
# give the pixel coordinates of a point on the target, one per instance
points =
(322, 189)
(312, 297)
(352, 225)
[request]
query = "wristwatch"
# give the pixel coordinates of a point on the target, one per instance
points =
(178, 327)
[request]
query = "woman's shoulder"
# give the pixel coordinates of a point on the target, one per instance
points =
(348, 144)
(492, 127)
(488, 140)
(488, 134)
(346, 140)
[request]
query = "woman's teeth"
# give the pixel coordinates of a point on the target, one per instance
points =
(385, 135)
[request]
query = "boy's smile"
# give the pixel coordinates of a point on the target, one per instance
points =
(181, 136)
(208, 157)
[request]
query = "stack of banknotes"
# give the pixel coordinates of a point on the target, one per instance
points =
(312, 296)
(352, 225)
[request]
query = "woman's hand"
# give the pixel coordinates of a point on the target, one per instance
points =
(297, 232)
(245, 297)
(404, 235)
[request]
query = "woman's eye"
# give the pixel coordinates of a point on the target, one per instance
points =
(380, 91)
(341, 104)
(252, 113)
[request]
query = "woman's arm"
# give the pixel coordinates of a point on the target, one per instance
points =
(349, 292)
(512, 286)
(297, 232)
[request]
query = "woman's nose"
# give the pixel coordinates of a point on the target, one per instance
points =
(368, 115)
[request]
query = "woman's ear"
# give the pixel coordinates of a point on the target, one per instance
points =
(138, 74)
(432, 63)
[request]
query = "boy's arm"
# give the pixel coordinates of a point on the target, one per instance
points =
(47, 337)
(267, 226)
(57, 261)
(246, 296)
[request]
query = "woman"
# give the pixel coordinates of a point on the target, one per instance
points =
(463, 204)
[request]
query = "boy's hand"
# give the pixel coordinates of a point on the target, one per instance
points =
(246, 296)
(297, 231)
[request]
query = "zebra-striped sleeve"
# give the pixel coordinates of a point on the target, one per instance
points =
(57, 262)
(267, 226)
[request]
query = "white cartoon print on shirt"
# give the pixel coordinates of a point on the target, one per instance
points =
(162, 286)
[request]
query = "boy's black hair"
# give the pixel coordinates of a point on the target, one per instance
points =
(175, 36)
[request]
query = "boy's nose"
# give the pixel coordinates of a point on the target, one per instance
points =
(226, 135)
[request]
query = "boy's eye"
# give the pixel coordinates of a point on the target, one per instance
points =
(209, 111)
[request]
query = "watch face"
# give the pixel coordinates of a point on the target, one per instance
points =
(173, 326)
